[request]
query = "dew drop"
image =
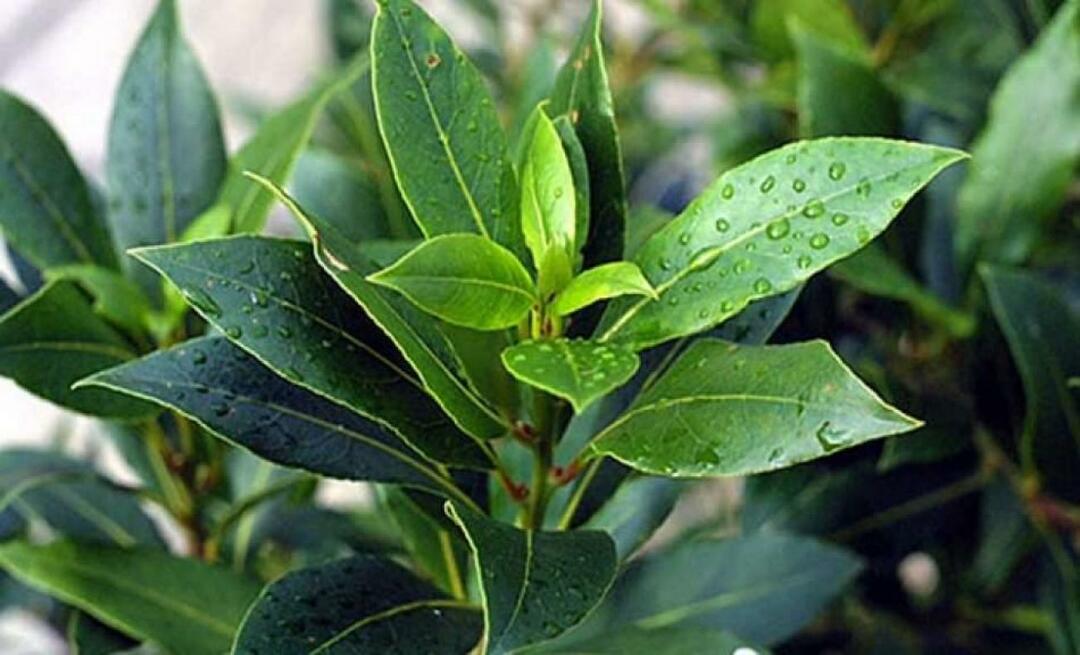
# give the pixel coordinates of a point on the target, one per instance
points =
(813, 209)
(791, 159)
(839, 219)
(727, 306)
(203, 302)
(863, 187)
(684, 238)
(722, 225)
(798, 185)
(829, 437)
(199, 357)
(837, 170)
(768, 184)
(897, 203)
(819, 241)
(741, 266)
(778, 229)
(248, 267)
(863, 234)
(234, 332)
(804, 262)
(665, 264)
(727, 192)
(762, 285)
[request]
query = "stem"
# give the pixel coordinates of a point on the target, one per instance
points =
(542, 456)
(579, 494)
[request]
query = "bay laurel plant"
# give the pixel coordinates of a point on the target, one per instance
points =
(525, 392)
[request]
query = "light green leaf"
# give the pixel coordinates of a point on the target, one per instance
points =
(874, 272)
(1002, 207)
(416, 334)
(46, 211)
(166, 156)
(579, 170)
(600, 283)
(766, 226)
(54, 338)
(273, 150)
(535, 585)
(463, 279)
(441, 129)
(777, 584)
(1043, 333)
(722, 409)
(116, 298)
(436, 548)
(271, 297)
(582, 94)
(576, 370)
(232, 395)
(548, 214)
(838, 91)
(182, 604)
(361, 604)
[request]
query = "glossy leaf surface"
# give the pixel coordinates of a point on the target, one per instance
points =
(360, 604)
(722, 409)
(583, 95)
(233, 396)
(415, 333)
(271, 297)
(166, 156)
(182, 604)
(441, 129)
(601, 283)
(1002, 207)
(53, 339)
(463, 279)
(548, 214)
(766, 226)
(45, 207)
(1043, 333)
(535, 585)
(576, 370)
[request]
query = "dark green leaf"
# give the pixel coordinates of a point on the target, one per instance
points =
(831, 19)
(463, 279)
(272, 152)
(1002, 207)
(349, 23)
(582, 95)
(441, 129)
(838, 90)
(116, 298)
(340, 192)
(71, 499)
(872, 270)
(773, 586)
(416, 334)
(535, 585)
(53, 339)
(233, 396)
(8, 297)
(548, 213)
(722, 409)
(1043, 333)
(166, 157)
(361, 604)
(45, 207)
(182, 604)
(601, 283)
(766, 226)
(577, 370)
(271, 297)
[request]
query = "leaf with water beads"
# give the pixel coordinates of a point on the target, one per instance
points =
(722, 409)
(361, 604)
(579, 371)
(765, 227)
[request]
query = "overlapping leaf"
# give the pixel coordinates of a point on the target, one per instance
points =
(232, 395)
(577, 370)
(271, 297)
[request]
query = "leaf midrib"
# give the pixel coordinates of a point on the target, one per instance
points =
(716, 252)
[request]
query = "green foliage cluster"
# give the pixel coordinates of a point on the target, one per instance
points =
(531, 329)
